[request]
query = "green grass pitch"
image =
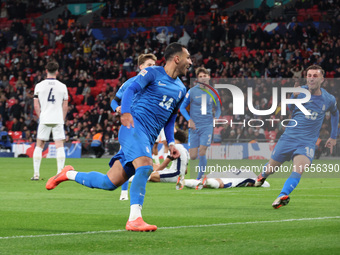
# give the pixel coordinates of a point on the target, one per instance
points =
(73, 219)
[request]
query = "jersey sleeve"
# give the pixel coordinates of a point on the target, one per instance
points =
(334, 118)
(184, 105)
(120, 92)
(65, 96)
(146, 76)
(36, 90)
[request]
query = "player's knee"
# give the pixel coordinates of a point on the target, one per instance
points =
(202, 153)
(193, 157)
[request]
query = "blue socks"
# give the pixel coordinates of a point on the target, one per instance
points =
(290, 184)
(137, 189)
(202, 166)
(95, 180)
(125, 185)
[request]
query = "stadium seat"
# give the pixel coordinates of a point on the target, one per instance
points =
(15, 135)
(131, 74)
(78, 99)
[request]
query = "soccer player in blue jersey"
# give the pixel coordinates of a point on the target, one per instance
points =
(298, 142)
(160, 93)
(201, 125)
(144, 61)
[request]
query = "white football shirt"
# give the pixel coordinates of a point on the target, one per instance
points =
(180, 163)
(51, 94)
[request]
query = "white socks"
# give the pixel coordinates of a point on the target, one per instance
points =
(37, 154)
(135, 212)
(212, 183)
(60, 159)
(191, 183)
(71, 175)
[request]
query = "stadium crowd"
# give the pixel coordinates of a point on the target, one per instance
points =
(93, 70)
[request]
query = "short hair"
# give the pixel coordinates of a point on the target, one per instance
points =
(52, 67)
(172, 49)
(144, 57)
(316, 67)
(181, 136)
(202, 70)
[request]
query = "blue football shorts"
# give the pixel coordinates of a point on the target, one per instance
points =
(288, 147)
(200, 136)
(134, 143)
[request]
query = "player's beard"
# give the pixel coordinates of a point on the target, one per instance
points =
(313, 89)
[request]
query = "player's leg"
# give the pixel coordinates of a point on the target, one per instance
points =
(202, 161)
(137, 149)
(205, 135)
(282, 152)
(300, 163)
(166, 175)
(143, 166)
(191, 183)
(115, 177)
(155, 155)
(124, 194)
(60, 155)
(58, 134)
(155, 177)
(37, 156)
(43, 135)
(194, 143)
(268, 169)
(214, 183)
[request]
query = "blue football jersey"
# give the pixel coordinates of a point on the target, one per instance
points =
(194, 98)
(308, 126)
(160, 96)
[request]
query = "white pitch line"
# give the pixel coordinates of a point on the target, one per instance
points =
(175, 227)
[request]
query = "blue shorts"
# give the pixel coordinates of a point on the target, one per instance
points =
(200, 136)
(287, 148)
(128, 167)
(134, 144)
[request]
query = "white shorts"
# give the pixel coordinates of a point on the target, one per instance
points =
(169, 175)
(44, 131)
(161, 136)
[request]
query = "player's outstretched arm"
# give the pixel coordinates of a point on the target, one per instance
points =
(164, 164)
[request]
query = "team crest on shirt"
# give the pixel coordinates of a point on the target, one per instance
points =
(143, 72)
(324, 107)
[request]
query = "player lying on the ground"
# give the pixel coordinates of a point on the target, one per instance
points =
(222, 180)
